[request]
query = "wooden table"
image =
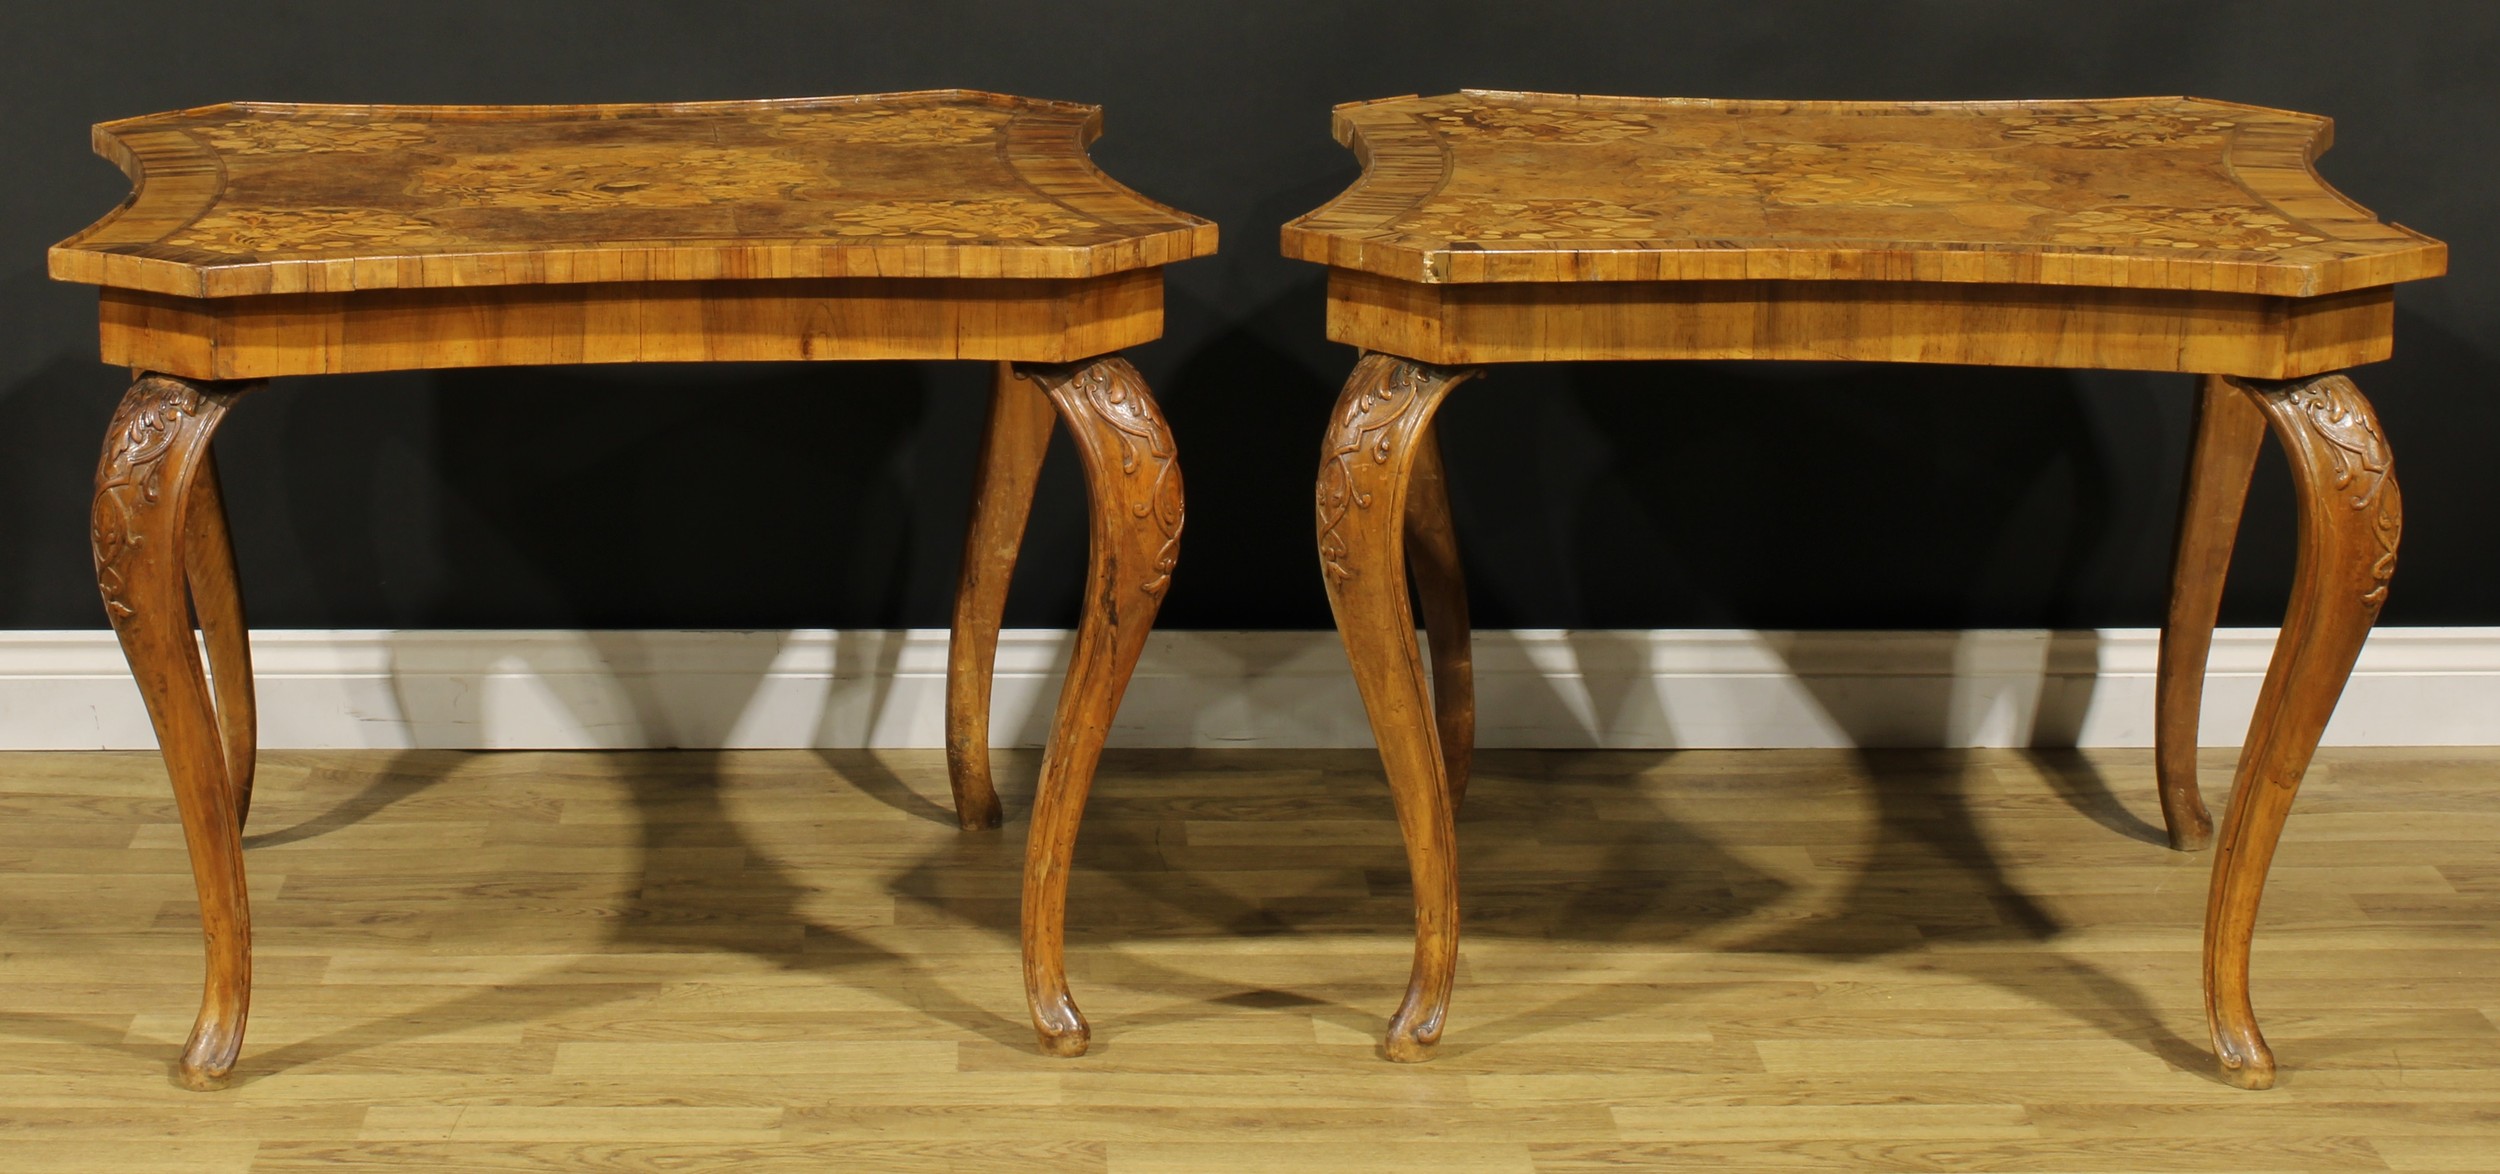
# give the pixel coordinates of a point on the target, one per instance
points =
(2147, 234)
(267, 240)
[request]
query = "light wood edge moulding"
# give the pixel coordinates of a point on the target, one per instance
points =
(175, 178)
(632, 322)
(2272, 158)
(2248, 335)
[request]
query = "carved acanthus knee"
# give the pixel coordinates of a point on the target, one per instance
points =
(1117, 424)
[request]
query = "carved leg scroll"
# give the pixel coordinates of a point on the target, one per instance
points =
(2350, 518)
(1011, 462)
(1441, 585)
(149, 507)
(1133, 479)
(2229, 430)
(1367, 474)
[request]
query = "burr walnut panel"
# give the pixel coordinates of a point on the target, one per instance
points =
(2146, 193)
(257, 198)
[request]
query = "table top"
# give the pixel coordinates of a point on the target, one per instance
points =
(262, 198)
(2138, 193)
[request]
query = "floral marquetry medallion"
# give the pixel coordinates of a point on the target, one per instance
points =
(2148, 193)
(256, 198)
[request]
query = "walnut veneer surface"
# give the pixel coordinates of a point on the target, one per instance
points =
(266, 239)
(259, 198)
(2141, 193)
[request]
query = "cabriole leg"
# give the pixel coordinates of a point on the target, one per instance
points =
(1367, 474)
(2229, 430)
(1133, 481)
(2350, 518)
(217, 602)
(159, 537)
(1441, 586)
(1012, 447)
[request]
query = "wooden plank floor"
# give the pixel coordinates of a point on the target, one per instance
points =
(792, 961)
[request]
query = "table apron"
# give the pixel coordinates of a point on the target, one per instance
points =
(262, 336)
(2249, 335)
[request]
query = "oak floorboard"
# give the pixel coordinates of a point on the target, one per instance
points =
(1701, 960)
(671, 1157)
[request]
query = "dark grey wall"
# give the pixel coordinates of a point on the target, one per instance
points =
(1598, 495)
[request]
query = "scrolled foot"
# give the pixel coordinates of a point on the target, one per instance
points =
(2246, 1060)
(1060, 1027)
(1414, 1030)
(208, 1058)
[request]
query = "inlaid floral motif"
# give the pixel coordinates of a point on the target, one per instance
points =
(1008, 219)
(1770, 176)
(289, 136)
(583, 178)
(2111, 132)
(1544, 124)
(915, 125)
(306, 230)
(2244, 227)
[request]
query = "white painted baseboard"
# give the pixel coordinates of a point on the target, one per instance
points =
(1626, 689)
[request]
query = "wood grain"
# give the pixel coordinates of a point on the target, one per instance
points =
(2228, 431)
(1369, 461)
(1013, 443)
(148, 502)
(1693, 959)
(1870, 321)
(2156, 234)
(225, 640)
(266, 240)
(647, 322)
(252, 198)
(2351, 518)
(1441, 595)
(2136, 193)
(1133, 482)
(163, 555)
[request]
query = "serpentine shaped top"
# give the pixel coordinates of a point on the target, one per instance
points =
(2145, 193)
(263, 198)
